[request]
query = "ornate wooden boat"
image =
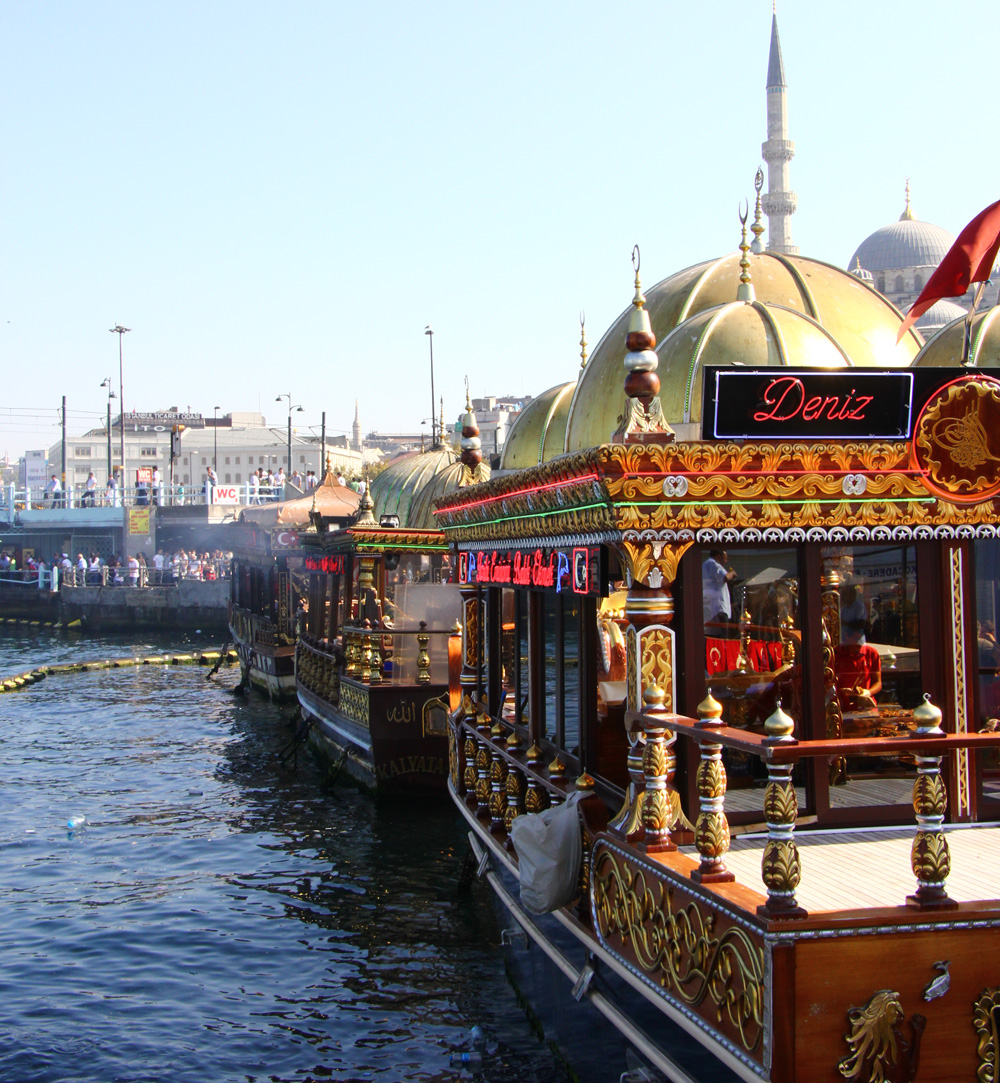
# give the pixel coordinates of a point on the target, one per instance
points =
(791, 792)
(381, 629)
(268, 581)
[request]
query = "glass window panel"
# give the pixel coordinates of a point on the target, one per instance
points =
(870, 614)
(750, 603)
(987, 604)
(571, 673)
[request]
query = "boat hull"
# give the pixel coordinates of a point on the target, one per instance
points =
(390, 739)
(270, 670)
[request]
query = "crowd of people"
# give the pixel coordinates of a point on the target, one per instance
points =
(134, 570)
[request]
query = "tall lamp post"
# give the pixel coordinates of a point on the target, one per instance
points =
(288, 395)
(429, 331)
(119, 331)
(215, 449)
(106, 382)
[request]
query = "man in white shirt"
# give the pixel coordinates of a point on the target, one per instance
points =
(158, 567)
(715, 579)
(91, 489)
(254, 488)
(279, 484)
(133, 570)
(157, 486)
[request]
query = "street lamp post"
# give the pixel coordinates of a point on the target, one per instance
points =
(106, 382)
(428, 330)
(288, 395)
(119, 331)
(215, 449)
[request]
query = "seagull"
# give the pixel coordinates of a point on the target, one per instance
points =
(940, 985)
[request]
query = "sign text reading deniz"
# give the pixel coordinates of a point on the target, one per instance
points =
(577, 570)
(807, 403)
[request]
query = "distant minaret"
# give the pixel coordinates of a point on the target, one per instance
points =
(356, 430)
(778, 151)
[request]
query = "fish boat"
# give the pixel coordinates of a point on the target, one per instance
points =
(268, 581)
(377, 664)
(727, 745)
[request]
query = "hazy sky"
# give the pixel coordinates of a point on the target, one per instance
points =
(279, 197)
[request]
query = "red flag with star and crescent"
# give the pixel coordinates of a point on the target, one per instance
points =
(970, 259)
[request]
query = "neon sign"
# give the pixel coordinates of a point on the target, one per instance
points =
(581, 570)
(334, 565)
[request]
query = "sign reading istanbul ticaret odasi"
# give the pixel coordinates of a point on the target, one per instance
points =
(580, 570)
(811, 404)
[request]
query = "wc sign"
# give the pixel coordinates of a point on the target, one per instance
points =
(225, 494)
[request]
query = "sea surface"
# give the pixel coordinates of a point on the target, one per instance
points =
(227, 911)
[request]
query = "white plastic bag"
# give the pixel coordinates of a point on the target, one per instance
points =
(549, 851)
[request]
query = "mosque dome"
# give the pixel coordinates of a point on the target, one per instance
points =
(945, 349)
(539, 431)
(398, 489)
(840, 307)
(939, 315)
(901, 245)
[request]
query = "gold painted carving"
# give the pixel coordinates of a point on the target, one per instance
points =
(631, 668)
(780, 868)
(677, 947)
(658, 661)
(963, 798)
(879, 1051)
(985, 1014)
(930, 858)
(354, 703)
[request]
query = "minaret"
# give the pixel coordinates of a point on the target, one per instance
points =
(778, 151)
(356, 429)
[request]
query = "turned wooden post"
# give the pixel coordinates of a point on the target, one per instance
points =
(930, 857)
(483, 761)
(469, 778)
(375, 662)
(365, 669)
(711, 834)
(656, 768)
(423, 658)
(537, 797)
(780, 868)
(498, 784)
(471, 678)
(514, 786)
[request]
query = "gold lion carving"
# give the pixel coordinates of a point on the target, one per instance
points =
(880, 1052)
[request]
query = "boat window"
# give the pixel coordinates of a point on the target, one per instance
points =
(870, 618)
(987, 606)
(562, 670)
(514, 654)
(750, 604)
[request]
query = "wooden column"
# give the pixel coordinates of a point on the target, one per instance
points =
(930, 858)
(712, 829)
(656, 769)
(780, 867)
(471, 677)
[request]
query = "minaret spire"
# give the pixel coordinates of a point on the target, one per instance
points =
(356, 429)
(778, 151)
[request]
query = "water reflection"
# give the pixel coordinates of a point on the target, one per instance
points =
(223, 917)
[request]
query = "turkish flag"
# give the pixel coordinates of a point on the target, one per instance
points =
(970, 259)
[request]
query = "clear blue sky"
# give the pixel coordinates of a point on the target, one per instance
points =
(279, 197)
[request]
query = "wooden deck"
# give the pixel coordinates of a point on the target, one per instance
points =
(847, 870)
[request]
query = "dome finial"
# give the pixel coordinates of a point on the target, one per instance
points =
(757, 229)
(745, 291)
(638, 300)
(468, 401)
(907, 215)
(583, 340)
(471, 445)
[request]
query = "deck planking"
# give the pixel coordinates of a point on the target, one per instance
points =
(847, 870)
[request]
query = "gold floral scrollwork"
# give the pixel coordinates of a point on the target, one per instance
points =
(930, 858)
(780, 867)
(985, 1019)
(631, 668)
(930, 797)
(676, 946)
(879, 1050)
(657, 660)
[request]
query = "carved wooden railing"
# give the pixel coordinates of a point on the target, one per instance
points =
(317, 668)
(779, 752)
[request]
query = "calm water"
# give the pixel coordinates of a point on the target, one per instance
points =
(222, 916)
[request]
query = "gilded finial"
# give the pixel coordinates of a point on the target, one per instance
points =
(468, 401)
(757, 229)
(907, 215)
(583, 341)
(745, 291)
(441, 422)
(638, 300)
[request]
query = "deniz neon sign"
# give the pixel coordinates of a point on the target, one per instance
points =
(845, 404)
(333, 565)
(580, 570)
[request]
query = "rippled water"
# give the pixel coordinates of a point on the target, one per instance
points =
(223, 916)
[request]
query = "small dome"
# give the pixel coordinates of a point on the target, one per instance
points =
(939, 315)
(395, 490)
(539, 431)
(945, 349)
(755, 335)
(900, 245)
(862, 321)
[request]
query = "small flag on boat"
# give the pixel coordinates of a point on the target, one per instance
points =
(970, 259)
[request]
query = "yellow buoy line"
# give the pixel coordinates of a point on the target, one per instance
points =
(195, 658)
